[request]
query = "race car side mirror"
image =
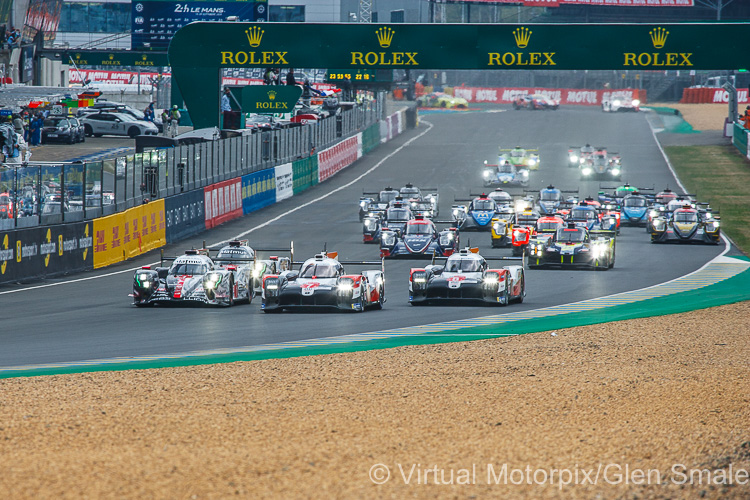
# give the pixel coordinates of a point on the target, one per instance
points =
(438, 270)
(162, 272)
(291, 275)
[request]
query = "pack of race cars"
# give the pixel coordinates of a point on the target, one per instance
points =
(548, 227)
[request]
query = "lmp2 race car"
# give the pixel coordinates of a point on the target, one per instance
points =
(421, 238)
(234, 275)
(322, 282)
(601, 165)
(521, 158)
(466, 275)
(574, 246)
(634, 209)
(687, 224)
(393, 218)
(577, 155)
(376, 201)
(550, 198)
(504, 173)
(475, 216)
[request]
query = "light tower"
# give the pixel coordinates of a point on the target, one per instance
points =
(365, 11)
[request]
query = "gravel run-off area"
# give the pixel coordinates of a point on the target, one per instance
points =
(647, 408)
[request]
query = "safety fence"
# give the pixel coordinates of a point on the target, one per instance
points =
(508, 95)
(741, 139)
(68, 246)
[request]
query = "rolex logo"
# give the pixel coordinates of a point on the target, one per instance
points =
(254, 35)
(385, 35)
(111, 56)
(144, 57)
(272, 94)
(78, 56)
(522, 36)
(659, 37)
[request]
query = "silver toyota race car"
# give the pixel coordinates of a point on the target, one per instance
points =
(322, 282)
(466, 276)
(234, 275)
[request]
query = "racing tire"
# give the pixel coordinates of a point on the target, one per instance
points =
(97, 135)
(516, 106)
(71, 139)
(87, 130)
(133, 132)
(231, 291)
(250, 291)
(505, 300)
(273, 311)
(519, 300)
(612, 258)
(139, 304)
(379, 304)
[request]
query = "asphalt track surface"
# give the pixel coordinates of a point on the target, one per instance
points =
(94, 318)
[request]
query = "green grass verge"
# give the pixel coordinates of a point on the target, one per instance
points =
(721, 176)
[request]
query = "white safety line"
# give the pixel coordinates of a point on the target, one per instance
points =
(239, 236)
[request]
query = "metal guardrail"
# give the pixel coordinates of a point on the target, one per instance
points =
(48, 193)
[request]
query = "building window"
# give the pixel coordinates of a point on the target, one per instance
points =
(397, 16)
(94, 17)
(286, 13)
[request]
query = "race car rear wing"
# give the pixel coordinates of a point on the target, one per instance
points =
(603, 232)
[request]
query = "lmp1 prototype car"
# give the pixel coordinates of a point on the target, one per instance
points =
(686, 225)
(194, 278)
(520, 158)
(601, 165)
(466, 276)
(620, 102)
(535, 101)
(322, 282)
(504, 173)
(476, 215)
(573, 246)
(421, 238)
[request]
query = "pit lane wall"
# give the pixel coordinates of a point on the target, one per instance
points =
(507, 95)
(67, 248)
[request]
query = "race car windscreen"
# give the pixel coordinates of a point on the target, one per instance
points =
(635, 202)
(550, 195)
(686, 217)
(397, 214)
(319, 270)
(463, 266)
(410, 192)
(505, 215)
(423, 229)
(232, 253)
(505, 168)
(484, 205)
(578, 213)
(188, 269)
(566, 235)
(388, 196)
(621, 193)
(547, 226)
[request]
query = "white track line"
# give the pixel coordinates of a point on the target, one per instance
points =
(239, 236)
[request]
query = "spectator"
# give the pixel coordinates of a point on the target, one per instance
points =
(166, 122)
(18, 125)
(290, 80)
(149, 114)
(36, 130)
(307, 92)
(269, 77)
(226, 109)
(745, 119)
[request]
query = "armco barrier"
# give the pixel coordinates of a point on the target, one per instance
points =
(343, 154)
(740, 139)
(129, 234)
(258, 190)
(506, 95)
(41, 252)
(185, 216)
(305, 172)
(223, 202)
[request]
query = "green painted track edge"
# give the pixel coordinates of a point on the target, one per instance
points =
(728, 291)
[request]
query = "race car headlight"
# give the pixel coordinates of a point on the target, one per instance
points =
(532, 161)
(271, 286)
(389, 239)
(615, 171)
(524, 173)
(446, 239)
(616, 102)
(346, 286)
(370, 224)
(659, 225)
(456, 213)
(653, 213)
(491, 278)
(520, 205)
(573, 158)
(143, 279)
(636, 102)
(258, 269)
(486, 174)
(211, 280)
(586, 171)
(499, 228)
(711, 227)
(146, 284)
(363, 203)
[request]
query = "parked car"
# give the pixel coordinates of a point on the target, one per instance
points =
(62, 129)
(261, 122)
(116, 107)
(99, 124)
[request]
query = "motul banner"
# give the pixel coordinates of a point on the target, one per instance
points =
(222, 202)
(507, 95)
(610, 3)
(711, 95)
(337, 157)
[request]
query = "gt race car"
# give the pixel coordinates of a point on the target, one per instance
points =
(322, 282)
(575, 247)
(440, 100)
(466, 276)
(420, 238)
(686, 225)
(195, 278)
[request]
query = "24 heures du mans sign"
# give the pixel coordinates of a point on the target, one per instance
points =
(466, 46)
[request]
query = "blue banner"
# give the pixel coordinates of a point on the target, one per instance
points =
(184, 214)
(258, 190)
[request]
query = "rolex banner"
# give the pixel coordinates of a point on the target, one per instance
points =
(270, 98)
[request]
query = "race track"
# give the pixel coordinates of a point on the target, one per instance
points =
(94, 318)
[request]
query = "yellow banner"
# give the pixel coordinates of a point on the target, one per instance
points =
(122, 236)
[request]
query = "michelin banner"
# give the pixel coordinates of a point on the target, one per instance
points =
(258, 190)
(284, 182)
(46, 251)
